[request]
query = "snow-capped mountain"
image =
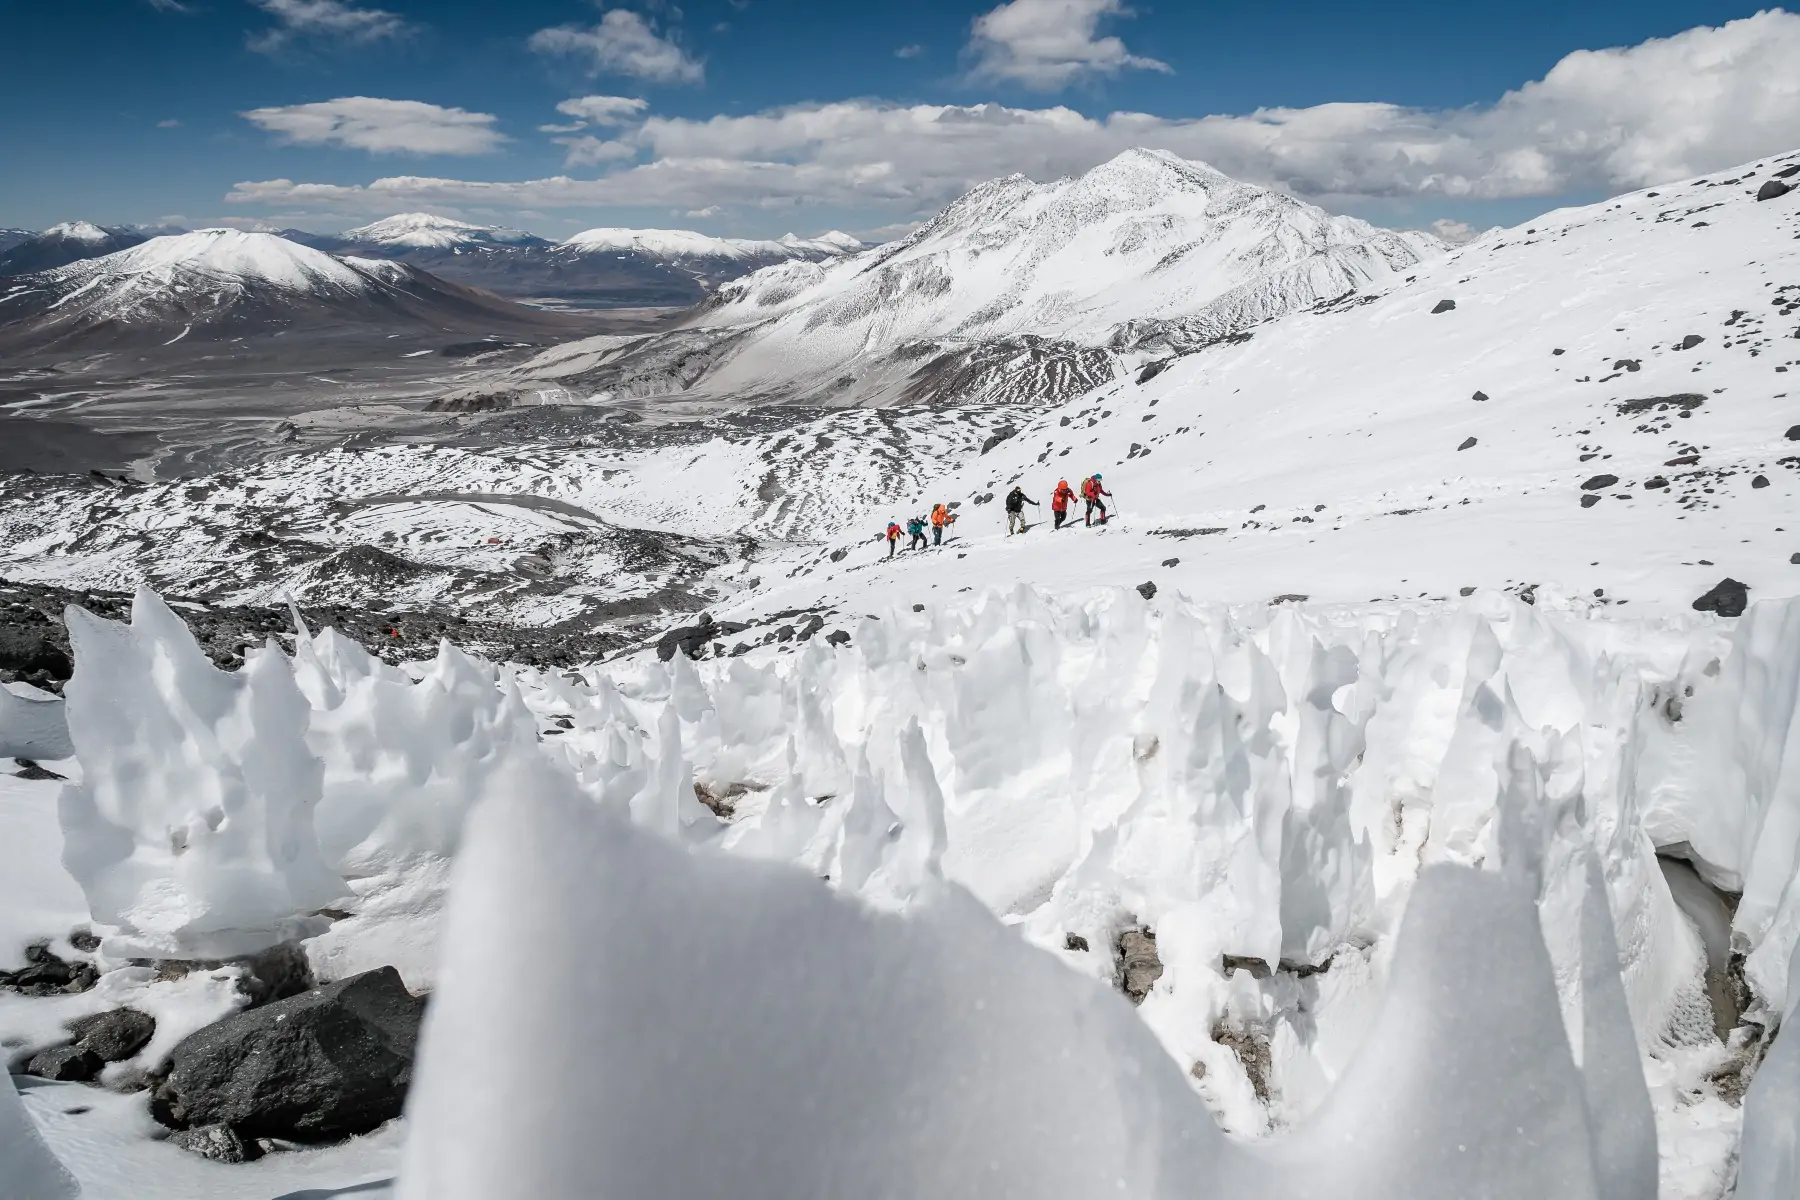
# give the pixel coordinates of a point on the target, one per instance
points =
(218, 281)
(13, 237)
(686, 247)
(66, 243)
(423, 231)
(1019, 291)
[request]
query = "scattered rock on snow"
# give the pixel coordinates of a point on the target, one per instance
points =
(1171, 562)
(1467, 442)
(1598, 482)
(1793, 433)
(114, 1035)
(29, 769)
(1774, 189)
(1074, 941)
(1138, 966)
(1728, 598)
(44, 974)
(1251, 1045)
(1147, 590)
(995, 438)
(220, 1143)
(1443, 306)
(1690, 341)
(1290, 598)
(1480, 396)
(837, 637)
(66, 1064)
(1761, 481)
(1589, 500)
(328, 1064)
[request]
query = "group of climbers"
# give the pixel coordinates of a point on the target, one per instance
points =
(1092, 492)
(941, 518)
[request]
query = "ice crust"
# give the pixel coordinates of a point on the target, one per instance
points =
(1397, 861)
(28, 1170)
(32, 726)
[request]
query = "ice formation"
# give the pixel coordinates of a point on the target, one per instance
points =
(28, 1170)
(191, 830)
(1260, 794)
(32, 726)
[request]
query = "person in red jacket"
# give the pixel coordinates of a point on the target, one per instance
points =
(893, 536)
(1092, 490)
(1060, 500)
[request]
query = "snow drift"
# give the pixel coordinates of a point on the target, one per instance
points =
(27, 1167)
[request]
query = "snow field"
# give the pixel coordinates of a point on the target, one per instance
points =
(1265, 791)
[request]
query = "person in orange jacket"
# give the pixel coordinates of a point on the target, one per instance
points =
(893, 536)
(1060, 500)
(941, 519)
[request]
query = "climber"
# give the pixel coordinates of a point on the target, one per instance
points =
(941, 519)
(1091, 491)
(915, 526)
(1059, 501)
(1016, 500)
(893, 537)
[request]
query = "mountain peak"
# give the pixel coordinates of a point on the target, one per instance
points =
(78, 231)
(422, 231)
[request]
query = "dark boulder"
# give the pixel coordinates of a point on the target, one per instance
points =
(66, 1064)
(1147, 590)
(995, 438)
(1443, 306)
(1774, 189)
(114, 1035)
(1467, 442)
(1171, 562)
(1793, 433)
(28, 651)
(1690, 341)
(1728, 598)
(837, 637)
(1598, 482)
(691, 640)
(1589, 500)
(1760, 481)
(1480, 397)
(44, 974)
(328, 1064)
(220, 1143)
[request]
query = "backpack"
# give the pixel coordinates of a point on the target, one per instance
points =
(1090, 489)
(940, 516)
(893, 532)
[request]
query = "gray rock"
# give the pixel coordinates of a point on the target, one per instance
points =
(220, 1143)
(1171, 562)
(1761, 481)
(1774, 189)
(1728, 598)
(1147, 590)
(44, 974)
(1467, 442)
(1690, 341)
(115, 1035)
(1480, 397)
(1793, 433)
(837, 637)
(1589, 501)
(1139, 967)
(66, 1064)
(328, 1064)
(1599, 482)
(1444, 306)
(1074, 941)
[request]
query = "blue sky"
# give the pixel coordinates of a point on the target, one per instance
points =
(757, 117)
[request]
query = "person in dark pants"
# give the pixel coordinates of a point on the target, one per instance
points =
(893, 537)
(941, 518)
(1060, 499)
(915, 527)
(1016, 500)
(1092, 490)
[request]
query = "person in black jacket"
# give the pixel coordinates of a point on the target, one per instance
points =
(1016, 500)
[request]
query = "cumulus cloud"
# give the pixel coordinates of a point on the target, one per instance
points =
(608, 112)
(1617, 119)
(335, 22)
(381, 126)
(912, 51)
(1049, 44)
(603, 110)
(1456, 233)
(623, 43)
(590, 151)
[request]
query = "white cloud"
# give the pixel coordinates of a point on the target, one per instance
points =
(590, 151)
(623, 43)
(701, 214)
(1622, 118)
(1049, 44)
(381, 126)
(1455, 232)
(912, 51)
(170, 6)
(171, 123)
(603, 110)
(335, 22)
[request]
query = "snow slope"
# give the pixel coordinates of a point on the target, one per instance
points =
(1610, 409)
(59, 245)
(217, 280)
(1017, 292)
(682, 245)
(423, 231)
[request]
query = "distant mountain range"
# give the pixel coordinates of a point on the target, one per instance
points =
(218, 283)
(1018, 292)
(602, 268)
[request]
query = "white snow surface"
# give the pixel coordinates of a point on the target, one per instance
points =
(32, 724)
(424, 231)
(29, 1169)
